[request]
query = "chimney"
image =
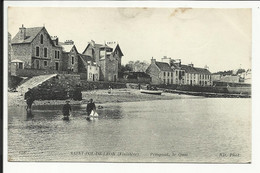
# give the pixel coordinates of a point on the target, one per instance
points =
(69, 42)
(191, 65)
(166, 59)
(22, 33)
(93, 43)
(153, 61)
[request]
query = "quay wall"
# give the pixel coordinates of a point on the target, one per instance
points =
(69, 86)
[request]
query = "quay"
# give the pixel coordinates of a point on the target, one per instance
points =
(207, 94)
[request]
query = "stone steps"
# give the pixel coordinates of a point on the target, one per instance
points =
(33, 82)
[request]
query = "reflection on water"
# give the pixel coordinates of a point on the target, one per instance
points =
(170, 131)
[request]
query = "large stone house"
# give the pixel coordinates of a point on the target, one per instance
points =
(35, 52)
(107, 56)
(35, 49)
(171, 71)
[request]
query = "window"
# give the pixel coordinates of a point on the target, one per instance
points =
(164, 73)
(72, 59)
(45, 63)
(37, 51)
(58, 53)
(45, 52)
(168, 73)
(41, 39)
(55, 55)
(20, 65)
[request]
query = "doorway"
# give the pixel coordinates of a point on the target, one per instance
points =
(56, 66)
(37, 64)
(114, 78)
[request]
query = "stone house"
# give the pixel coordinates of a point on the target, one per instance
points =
(70, 56)
(108, 58)
(171, 71)
(35, 49)
(160, 72)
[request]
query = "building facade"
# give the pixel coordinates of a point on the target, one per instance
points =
(171, 71)
(35, 52)
(35, 49)
(107, 58)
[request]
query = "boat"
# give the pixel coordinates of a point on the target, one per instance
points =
(155, 92)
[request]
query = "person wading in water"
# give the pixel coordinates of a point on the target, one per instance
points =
(28, 96)
(66, 109)
(90, 107)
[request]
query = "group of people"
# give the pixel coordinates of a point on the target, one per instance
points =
(66, 109)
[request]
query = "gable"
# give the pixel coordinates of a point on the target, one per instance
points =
(119, 49)
(31, 33)
(86, 48)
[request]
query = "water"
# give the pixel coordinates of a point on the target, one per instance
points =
(180, 130)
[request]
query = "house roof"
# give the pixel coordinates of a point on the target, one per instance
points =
(16, 61)
(67, 48)
(85, 58)
(163, 66)
(111, 46)
(189, 69)
(31, 33)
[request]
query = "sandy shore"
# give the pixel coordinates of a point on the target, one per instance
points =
(99, 96)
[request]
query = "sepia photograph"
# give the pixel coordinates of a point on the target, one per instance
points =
(129, 84)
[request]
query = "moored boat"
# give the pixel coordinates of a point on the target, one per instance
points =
(155, 92)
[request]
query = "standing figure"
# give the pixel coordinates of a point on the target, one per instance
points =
(28, 96)
(90, 107)
(66, 110)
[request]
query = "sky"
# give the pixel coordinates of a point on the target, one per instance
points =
(218, 38)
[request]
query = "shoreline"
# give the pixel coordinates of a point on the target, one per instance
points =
(99, 97)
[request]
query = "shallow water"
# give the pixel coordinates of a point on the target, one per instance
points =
(180, 130)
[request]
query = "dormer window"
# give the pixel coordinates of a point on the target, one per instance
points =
(41, 39)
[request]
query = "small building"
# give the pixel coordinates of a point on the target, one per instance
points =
(88, 69)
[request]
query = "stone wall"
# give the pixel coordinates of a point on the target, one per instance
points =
(60, 87)
(34, 72)
(23, 53)
(64, 86)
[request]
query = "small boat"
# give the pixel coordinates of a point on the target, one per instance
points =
(155, 92)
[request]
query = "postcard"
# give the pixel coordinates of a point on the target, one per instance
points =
(153, 84)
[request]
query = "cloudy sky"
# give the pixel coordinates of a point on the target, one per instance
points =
(218, 38)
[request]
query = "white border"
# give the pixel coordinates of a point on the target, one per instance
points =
(10, 167)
